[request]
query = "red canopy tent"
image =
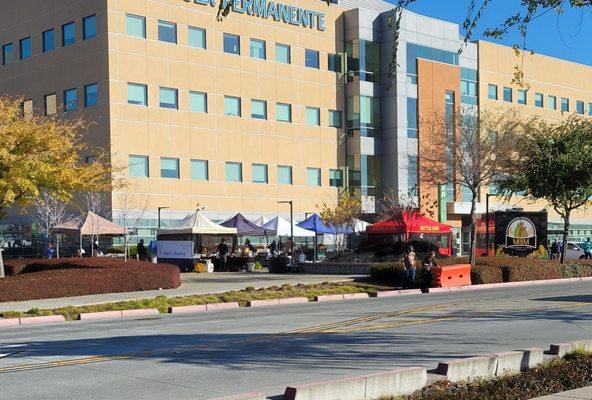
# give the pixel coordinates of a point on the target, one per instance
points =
(407, 224)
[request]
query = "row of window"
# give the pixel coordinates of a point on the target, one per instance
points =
(48, 39)
(539, 99)
(167, 32)
(70, 96)
(137, 94)
(200, 171)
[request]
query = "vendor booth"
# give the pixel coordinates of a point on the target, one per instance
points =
(194, 239)
(410, 226)
(315, 224)
(279, 226)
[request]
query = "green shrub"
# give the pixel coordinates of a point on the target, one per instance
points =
(486, 274)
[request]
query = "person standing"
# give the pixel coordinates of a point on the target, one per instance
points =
(223, 253)
(141, 250)
(272, 248)
(50, 251)
(587, 249)
(410, 268)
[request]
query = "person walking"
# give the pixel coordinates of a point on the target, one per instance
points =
(223, 253)
(554, 250)
(410, 268)
(587, 249)
(141, 250)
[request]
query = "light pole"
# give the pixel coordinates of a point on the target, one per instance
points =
(160, 208)
(487, 196)
(291, 225)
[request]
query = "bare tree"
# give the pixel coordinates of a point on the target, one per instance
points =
(468, 150)
(95, 203)
(131, 210)
(394, 202)
(48, 211)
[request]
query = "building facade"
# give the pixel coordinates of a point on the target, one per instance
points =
(295, 100)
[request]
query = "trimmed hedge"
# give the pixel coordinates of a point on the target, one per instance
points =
(66, 277)
(572, 372)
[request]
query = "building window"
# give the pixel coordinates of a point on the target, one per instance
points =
(538, 100)
(468, 86)
(168, 98)
(411, 118)
(363, 60)
(313, 176)
(282, 53)
(167, 32)
(197, 37)
(590, 109)
(25, 47)
(257, 49)
(198, 102)
(258, 109)
(169, 168)
(415, 51)
(580, 107)
(7, 53)
(552, 102)
(335, 119)
(91, 95)
(232, 106)
(70, 100)
(336, 178)
(89, 27)
(283, 112)
(231, 44)
(234, 172)
(48, 38)
(564, 104)
(334, 61)
(260, 173)
(135, 26)
(449, 112)
(311, 58)
(284, 175)
(27, 109)
(313, 116)
(50, 104)
(138, 166)
(508, 94)
(137, 94)
(522, 97)
(412, 175)
(492, 92)
(68, 34)
(363, 116)
(200, 170)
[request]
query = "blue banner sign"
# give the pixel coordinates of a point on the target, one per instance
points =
(286, 13)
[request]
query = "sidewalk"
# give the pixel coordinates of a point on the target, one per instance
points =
(191, 284)
(584, 393)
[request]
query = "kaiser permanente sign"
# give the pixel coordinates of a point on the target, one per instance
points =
(278, 11)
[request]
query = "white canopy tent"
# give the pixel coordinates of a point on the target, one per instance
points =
(197, 224)
(279, 226)
(359, 227)
(261, 221)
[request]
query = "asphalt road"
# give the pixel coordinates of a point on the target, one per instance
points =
(208, 355)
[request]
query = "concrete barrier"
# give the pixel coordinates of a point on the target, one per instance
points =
(388, 293)
(353, 296)
(395, 383)
(221, 306)
(263, 303)
(10, 322)
(246, 396)
(187, 309)
(511, 362)
(468, 368)
(50, 319)
(139, 313)
(339, 389)
(329, 297)
(561, 349)
(99, 315)
(294, 300)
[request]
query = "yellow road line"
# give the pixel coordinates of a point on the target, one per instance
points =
(63, 363)
(399, 324)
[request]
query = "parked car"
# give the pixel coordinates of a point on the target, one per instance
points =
(574, 251)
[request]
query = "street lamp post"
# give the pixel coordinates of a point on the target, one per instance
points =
(290, 202)
(487, 196)
(160, 208)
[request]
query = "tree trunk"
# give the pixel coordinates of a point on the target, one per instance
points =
(566, 225)
(473, 231)
(1, 263)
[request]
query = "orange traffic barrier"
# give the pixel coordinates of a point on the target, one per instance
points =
(452, 275)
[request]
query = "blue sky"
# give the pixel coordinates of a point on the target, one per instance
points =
(568, 36)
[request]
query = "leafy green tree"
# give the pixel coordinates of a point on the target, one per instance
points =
(43, 154)
(554, 163)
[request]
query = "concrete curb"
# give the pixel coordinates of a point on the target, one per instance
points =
(355, 296)
(50, 319)
(99, 315)
(468, 368)
(329, 297)
(343, 389)
(561, 349)
(187, 309)
(246, 396)
(398, 382)
(294, 300)
(140, 312)
(221, 306)
(263, 303)
(9, 322)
